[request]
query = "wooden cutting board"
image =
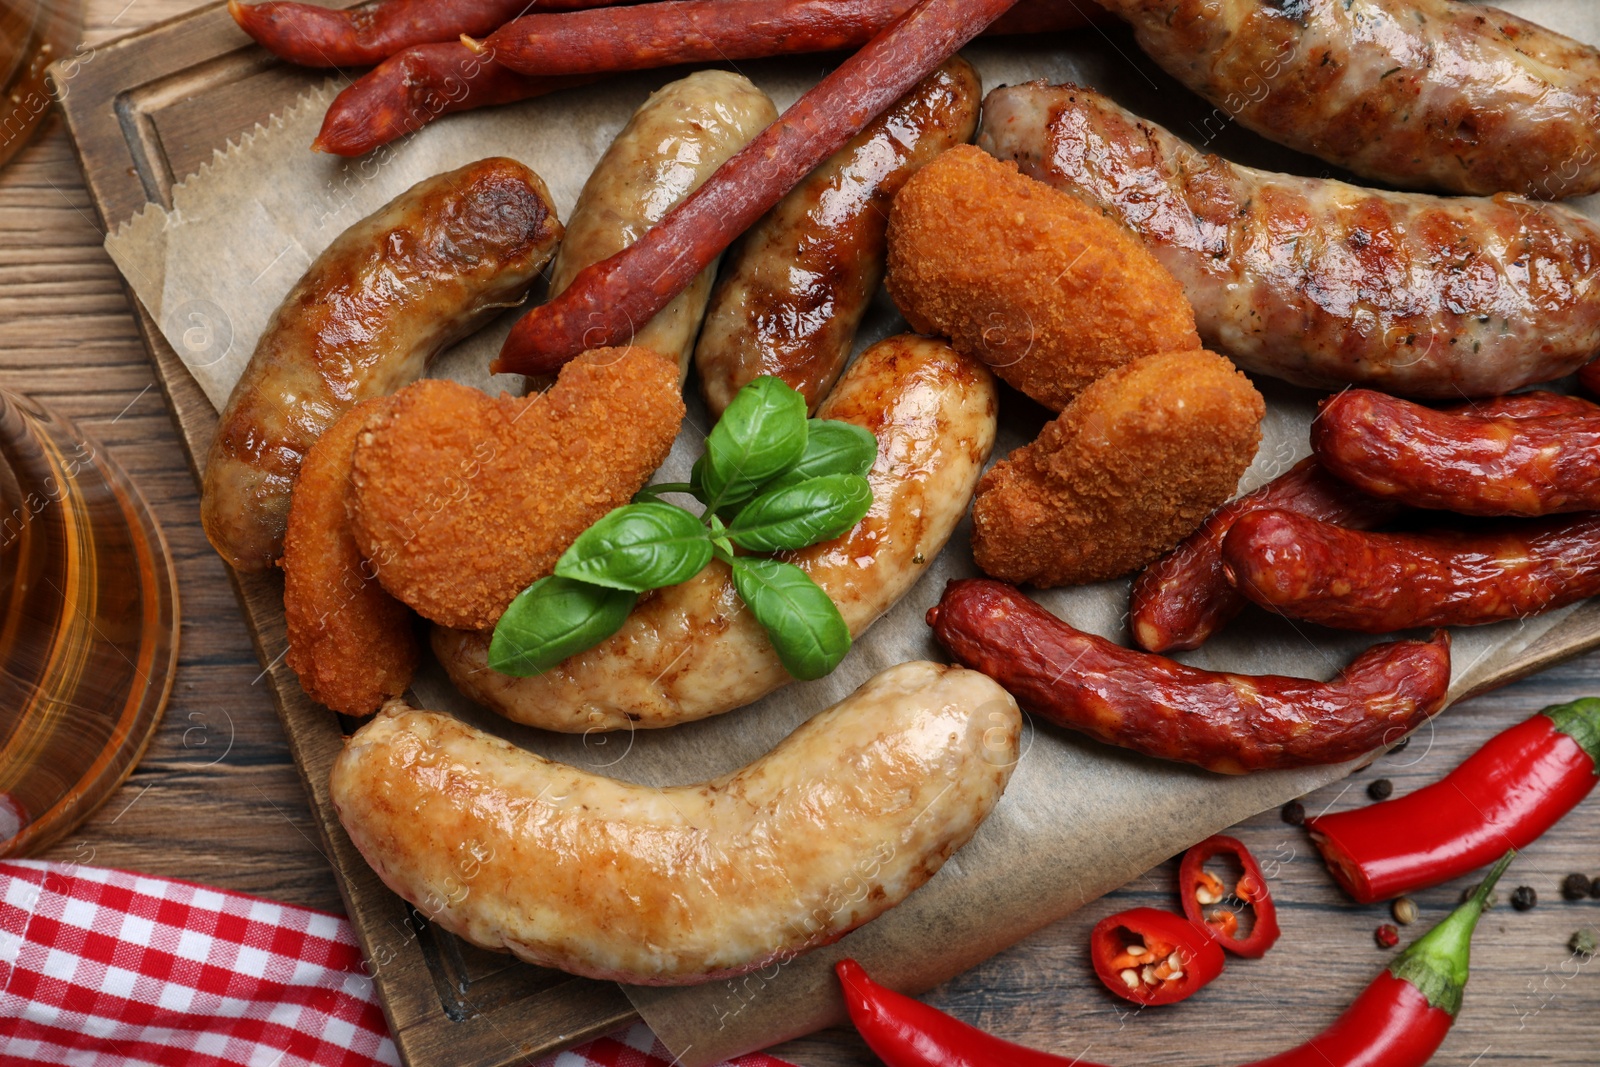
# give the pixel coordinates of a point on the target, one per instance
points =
(144, 113)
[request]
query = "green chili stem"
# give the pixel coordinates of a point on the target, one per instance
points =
(1437, 962)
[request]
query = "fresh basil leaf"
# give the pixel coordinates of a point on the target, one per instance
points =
(761, 434)
(832, 447)
(801, 515)
(638, 547)
(803, 624)
(552, 619)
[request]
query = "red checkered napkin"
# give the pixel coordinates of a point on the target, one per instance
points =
(103, 968)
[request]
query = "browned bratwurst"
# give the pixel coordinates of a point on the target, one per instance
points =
(1470, 463)
(1230, 723)
(1318, 282)
(795, 287)
(1381, 582)
(1425, 94)
(366, 318)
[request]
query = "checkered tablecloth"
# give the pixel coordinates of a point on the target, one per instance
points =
(104, 968)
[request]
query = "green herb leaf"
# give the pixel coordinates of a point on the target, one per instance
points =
(832, 447)
(802, 623)
(761, 434)
(638, 547)
(803, 514)
(552, 619)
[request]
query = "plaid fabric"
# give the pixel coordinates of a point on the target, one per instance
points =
(103, 968)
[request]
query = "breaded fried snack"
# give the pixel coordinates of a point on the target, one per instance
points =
(1132, 466)
(352, 644)
(462, 500)
(1040, 286)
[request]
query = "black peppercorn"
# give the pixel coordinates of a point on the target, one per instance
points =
(1380, 789)
(1575, 887)
(1594, 889)
(1523, 897)
(1294, 813)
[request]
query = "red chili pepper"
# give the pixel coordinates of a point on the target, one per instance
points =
(1153, 957)
(1504, 796)
(1199, 889)
(1399, 1021)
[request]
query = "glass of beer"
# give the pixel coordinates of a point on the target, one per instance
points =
(88, 625)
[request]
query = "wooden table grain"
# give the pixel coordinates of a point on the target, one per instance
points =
(216, 799)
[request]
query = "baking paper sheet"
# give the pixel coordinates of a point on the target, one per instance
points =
(1079, 819)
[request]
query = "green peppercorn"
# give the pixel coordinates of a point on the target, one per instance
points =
(1575, 887)
(1583, 943)
(1523, 898)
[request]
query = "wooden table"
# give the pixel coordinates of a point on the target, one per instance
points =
(216, 799)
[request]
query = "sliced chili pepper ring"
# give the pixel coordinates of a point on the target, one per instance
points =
(1153, 957)
(1202, 892)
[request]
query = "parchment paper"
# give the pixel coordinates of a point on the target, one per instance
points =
(1079, 819)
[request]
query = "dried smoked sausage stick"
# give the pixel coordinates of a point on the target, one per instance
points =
(413, 87)
(1382, 582)
(369, 33)
(1469, 463)
(609, 297)
(1224, 722)
(685, 31)
(1184, 597)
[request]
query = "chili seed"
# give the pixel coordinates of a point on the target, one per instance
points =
(1387, 936)
(1136, 950)
(1575, 887)
(1523, 898)
(1130, 978)
(1583, 943)
(1404, 910)
(1380, 789)
(1205, 896)
(1149, 975)
(1294, 813)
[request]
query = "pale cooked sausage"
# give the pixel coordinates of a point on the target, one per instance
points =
(837, 824)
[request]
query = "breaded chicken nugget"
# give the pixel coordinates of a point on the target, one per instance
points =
(351, 643)
(1034, 282)
(1132, 466)
(461, 500)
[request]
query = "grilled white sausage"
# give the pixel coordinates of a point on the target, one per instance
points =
(1430, 94)
(836, 825)
(691, 650)
(670, 145)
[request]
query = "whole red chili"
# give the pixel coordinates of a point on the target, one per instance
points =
(1399, 1021)
(1503, 796)
(1199, 890)
(1153, 957)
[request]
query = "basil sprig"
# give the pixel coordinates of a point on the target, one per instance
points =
(770, 480)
